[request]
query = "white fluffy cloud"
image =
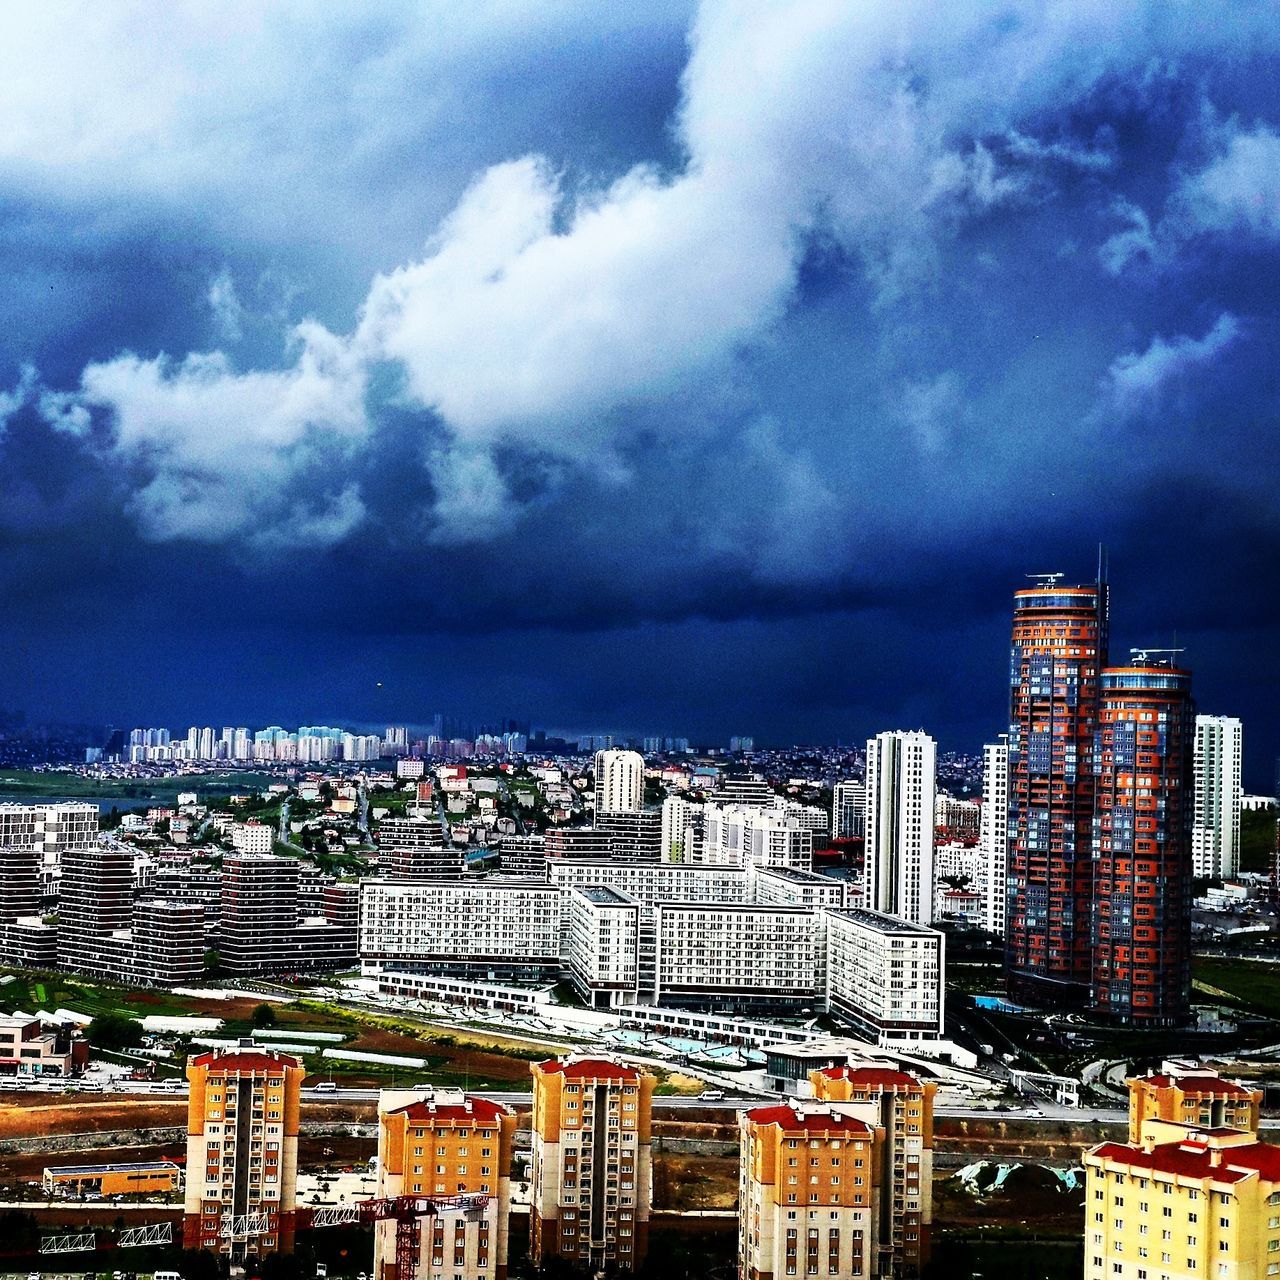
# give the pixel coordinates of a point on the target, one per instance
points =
(1240, 188)
(1137, 381)
(536, 312)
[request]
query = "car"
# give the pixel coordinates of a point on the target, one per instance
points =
(1035, 1111)
(326, 1086)
(711, 1095)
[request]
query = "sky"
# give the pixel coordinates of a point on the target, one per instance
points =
(696, 369)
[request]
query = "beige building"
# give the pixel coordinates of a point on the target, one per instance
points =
(1193, 1095)
(902, 1107)
(808, 1193)
(440, 1145)
(242, 1151)
(592, 1171)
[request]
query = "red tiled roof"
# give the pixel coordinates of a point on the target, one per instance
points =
(590, 1069)
(811, 1120)
(1213, 1085)
(244, 1060)
(480, 1109)
(1196, 1159)
(871, 1077)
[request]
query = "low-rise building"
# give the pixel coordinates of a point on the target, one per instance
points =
(146, 1177)
(1191, 1094)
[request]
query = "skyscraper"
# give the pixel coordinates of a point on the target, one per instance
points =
(1059, 647)
(993, 833)
(1142, 844)
(900, 794)
(1215, 835)
(619, 781)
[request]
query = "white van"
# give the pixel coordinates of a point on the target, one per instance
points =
(167, 1275)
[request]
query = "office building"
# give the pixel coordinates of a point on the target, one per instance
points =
(993, 833)
(849, 810)
(1142, 844)
(900, 795)
(1215, 835)
(1058, 650)
(1193, 1095)
(30, 1048)
(437, 1143)
(807, 1193)
(592, 1164)
(885, 975)
(901, 1107)
(619, 781)
(242, 1152)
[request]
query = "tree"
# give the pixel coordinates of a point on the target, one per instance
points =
(263, 1016)
(212, 961)
(114, 1031)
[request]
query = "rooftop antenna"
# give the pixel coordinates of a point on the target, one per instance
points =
(1048, 580)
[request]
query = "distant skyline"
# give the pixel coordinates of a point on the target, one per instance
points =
(535, 360)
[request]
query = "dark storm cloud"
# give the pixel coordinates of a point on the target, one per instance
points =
(546, 359)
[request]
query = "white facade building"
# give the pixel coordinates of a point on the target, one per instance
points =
(252, 837)
(993, 834)
(885, 975)
(747, 835)
(603, 928)
(619, 781)
(682, 822)
(1215, 834)
(849, 810)
(901, 789)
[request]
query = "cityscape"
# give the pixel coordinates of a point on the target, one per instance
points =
(640, 641)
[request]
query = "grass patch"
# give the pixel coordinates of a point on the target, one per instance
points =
(1247, 984)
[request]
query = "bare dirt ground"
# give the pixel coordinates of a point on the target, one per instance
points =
(694, 1182)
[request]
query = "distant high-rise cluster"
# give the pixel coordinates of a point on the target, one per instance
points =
(1100, 806)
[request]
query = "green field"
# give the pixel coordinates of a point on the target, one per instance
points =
(1249, 984)
(15, 783)
(31, 991)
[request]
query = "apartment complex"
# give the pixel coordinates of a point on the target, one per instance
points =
(242, 1152)
(1215, 833)
(1180, 1199)
(30, 1048)
(807, 1193)
(900, 799)
(592, 1170)
(993, 833)
(1141, 934)
(901, 1107)
(414, 849)
(849, 810)
(1193, 1095)
(442, 1144)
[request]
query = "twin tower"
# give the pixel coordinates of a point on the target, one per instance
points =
(1100, 811)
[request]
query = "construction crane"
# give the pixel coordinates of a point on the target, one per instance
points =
(1046, 580)
(87, 1241)
(1154, 657)
(406, 1212)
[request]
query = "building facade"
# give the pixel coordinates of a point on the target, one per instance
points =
(592, 1164)
(807, 1193)
(441, 1144)
(849, 810)
(619, 781)
(242, 1152)
(900, 797)
(1141, 932)
(1190, 1094)
(993, 833)
(1059, 647)
(1215, 833)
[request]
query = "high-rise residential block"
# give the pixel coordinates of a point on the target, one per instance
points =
(849, 810)
(902, 1107)
(1059, 647)
(1215, 835)
(807, 1193)
(993, 833)
(440, 1145)
(619, 781)
(95, 908)
(242, 1152)
(1194, 1095)
(1142, 762)
(900, 793)
(592, 1170)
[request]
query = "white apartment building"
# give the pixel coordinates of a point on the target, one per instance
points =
(737, 954)
(1215, 833)
(901, 788)
(785, 887)
(51, 830)
(681, 830)
(955, 861)
(652, 882)
(885, 975)
(619, 781)
(487, 927)
(603, 928)
(252, 837)
(848, 810)
(993, 832)
(749, 835)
